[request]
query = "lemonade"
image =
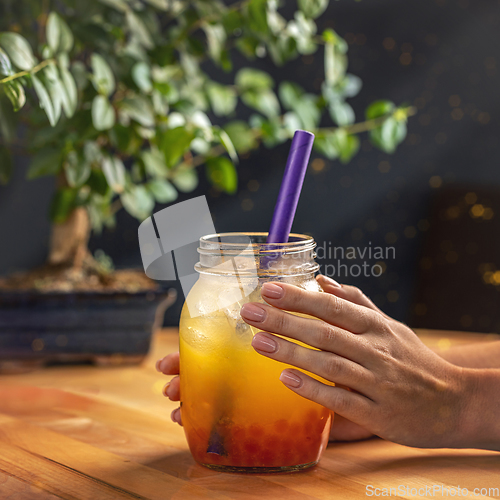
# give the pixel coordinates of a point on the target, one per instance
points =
(236, 413)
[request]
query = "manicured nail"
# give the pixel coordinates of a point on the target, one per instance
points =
(290, 379)
(253, 312)
(272, 291)
(331, 281)
(165, 389)
(264, 343)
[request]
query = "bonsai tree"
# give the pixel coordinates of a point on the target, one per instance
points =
(114, 101)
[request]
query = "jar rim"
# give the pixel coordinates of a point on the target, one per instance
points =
(255, 257)
(297, 243)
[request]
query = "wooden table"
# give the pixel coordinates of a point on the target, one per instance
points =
(84, 432)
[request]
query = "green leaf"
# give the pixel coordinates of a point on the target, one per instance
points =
(5, 165)
(154, 162)
(391, 133)
(290, 94)
(170, 93)
(185, 179)
(379, 108)
(233, 20)
(97, 182)
(44, 98)
(335, 65)
(77, 170)
(257, 15)
(163, 191)
(216, 38)
(291, 122)
(223, 99)
(80, 74)
(331, 37)
(242, 137)
(58, 34)
(313, 8)
(47, 161)
(8, 126)
(228, 144)
(272, 131)
(174, 143)
(69, 85)
(63, 203)
(138, 202)
(104, 80)
(56, 90)
(264, 101)
(222, 173)
(15, 92)
(347, 145)
(326, 144)
(160, 103)
(305, 105)
(5, 65)
(342, 113)
(18, 49)
(103, 114)
(351, 85)
(139, 30)
(308, 112)
(253, 79)
(92, 153)
(138, 108)
(114, 171)
(141, 74)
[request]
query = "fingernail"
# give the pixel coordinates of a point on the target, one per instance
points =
(158, 369)
(290, 379)
(264, 343)
(272, 291)
(332, 282)
(172, 415)
(253, 312)
(165, 389)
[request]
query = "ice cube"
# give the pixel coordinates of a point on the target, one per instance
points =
(243, 330)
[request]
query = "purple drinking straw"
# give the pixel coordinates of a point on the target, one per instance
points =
(291, 185)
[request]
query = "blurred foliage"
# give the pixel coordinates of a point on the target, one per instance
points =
(133, 113)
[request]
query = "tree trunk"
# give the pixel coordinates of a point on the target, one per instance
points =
(69, 240)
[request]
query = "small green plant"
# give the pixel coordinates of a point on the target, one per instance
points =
(133, 113)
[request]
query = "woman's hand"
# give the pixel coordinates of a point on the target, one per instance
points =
(402, 391)
(169, 365)
(342, 428)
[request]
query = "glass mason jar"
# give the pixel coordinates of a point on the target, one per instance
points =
(237, 414)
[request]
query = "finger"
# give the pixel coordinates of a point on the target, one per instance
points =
(172, 389)
(350, 405)
(348, 292)
(307, 330)
(330, 308)
(325, 364)
(176, 416)
(169, 365)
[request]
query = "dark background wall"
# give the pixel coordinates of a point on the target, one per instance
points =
(442, 56)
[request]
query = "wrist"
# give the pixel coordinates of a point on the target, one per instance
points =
(478, 425)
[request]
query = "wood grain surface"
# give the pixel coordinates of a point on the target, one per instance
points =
(98, 433)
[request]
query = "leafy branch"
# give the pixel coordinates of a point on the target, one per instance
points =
(134, 115)
(33, 71)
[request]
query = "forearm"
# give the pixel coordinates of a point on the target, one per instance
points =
(479, 424)
(481, 355)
